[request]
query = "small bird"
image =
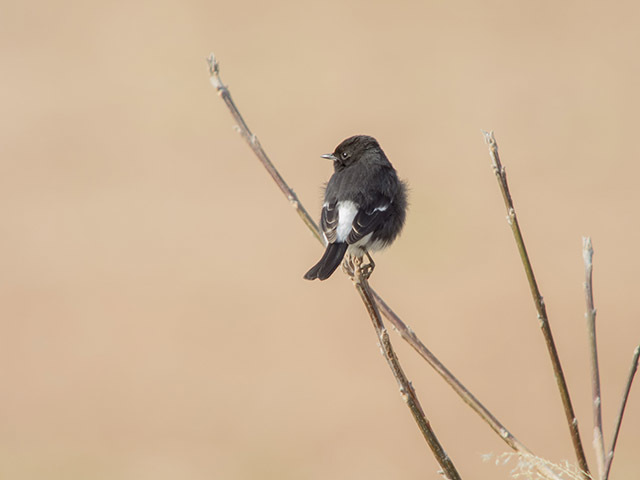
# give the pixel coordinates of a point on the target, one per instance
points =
(364, 206)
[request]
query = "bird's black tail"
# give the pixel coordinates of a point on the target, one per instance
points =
(332, 257)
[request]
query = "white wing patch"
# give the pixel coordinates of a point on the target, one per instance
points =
(347, 211)
(381, 208)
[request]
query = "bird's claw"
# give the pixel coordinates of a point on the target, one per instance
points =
(348, 266)
(366, 270)
(355, 268)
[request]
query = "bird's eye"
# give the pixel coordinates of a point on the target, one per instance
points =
(345, 155)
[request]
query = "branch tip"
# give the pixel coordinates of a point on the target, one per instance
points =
(489, 137)
(587, 251)
(214, 73)
(213, 64)
(538, 301)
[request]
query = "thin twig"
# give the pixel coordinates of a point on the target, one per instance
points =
(252, 140)
(404, 330)
(406, 388)
(411, 338)
(467, 397)
(572, 421)
(625, 397)
(590, 315)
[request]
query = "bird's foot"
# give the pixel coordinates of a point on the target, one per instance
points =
(348, 266)
(368, 267)
(354, 266)
(364, 270)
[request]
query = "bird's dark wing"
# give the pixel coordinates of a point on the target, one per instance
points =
(368, 221)
(329, 221)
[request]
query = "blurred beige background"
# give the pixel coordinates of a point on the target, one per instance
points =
(154, 323)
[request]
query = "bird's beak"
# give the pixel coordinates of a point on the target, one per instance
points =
(329, 156)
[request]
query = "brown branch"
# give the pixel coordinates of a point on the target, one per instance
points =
(404, 330)
(406, 389)
(590, 315)
(467, 397)
(252, 140)
(572, 421)
(625, 397)
(411, 338)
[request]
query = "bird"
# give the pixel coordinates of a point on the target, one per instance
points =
(365, 204)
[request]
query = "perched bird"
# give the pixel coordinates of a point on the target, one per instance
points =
(364, 204)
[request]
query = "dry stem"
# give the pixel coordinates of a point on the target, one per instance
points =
(411, 338)
(252, 140)
(406, 389)
(572, 421)
(625, 397)
(590, 315)
(405, 331)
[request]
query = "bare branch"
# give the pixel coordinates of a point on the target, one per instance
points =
(404, 330)
(411, 338)
(590, 315)
(625, 397)
(406, 389)
(572, 421)
(252, 140)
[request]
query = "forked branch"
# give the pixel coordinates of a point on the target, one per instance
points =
(405, 331)
(359, 280)
(406, 388)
